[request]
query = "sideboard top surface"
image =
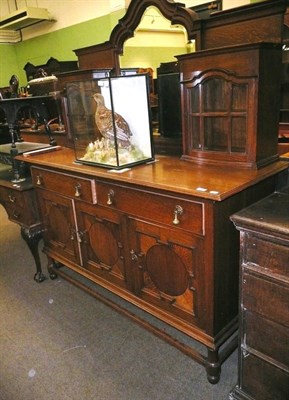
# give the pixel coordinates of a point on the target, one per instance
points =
(166, 173)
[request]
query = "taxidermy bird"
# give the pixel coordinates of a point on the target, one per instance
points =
(104, 122)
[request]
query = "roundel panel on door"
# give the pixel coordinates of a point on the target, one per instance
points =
(162, 263)
(105, 247)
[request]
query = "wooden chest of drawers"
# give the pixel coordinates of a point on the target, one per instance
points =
(264, 300)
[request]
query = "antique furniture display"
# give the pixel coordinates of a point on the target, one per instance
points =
(52, 67)
(36, 118)
(110, 120)
(264, 20)
(206, 9)
(158, 235)
(19, 201)
(40, 107)
(264, 301)
(106, 55)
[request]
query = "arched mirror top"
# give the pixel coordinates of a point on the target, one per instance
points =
(177, 13)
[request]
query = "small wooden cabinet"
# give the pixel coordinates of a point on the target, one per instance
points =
(158, 235)
(19, 201)
(264, 300)
(228, 119)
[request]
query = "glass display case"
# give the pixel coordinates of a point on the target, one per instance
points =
(110, 120)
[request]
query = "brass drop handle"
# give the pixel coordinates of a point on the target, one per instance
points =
(177, 212)
(110, 196)
(77, 188)
(133, 255)
(38, 180)
(12, 198)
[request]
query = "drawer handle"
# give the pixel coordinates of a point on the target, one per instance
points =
(133, 255)
(177, 212)
(110, 196)
(12, 198)
(77, 190)
(38, 180)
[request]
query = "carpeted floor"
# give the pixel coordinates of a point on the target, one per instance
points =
(59, 343)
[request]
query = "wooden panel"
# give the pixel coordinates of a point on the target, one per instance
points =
(60, 231)
(262, 253)
(152, 206)
(101, 243)
(267, 298)
(20, 206)
(261, 339)
(261, 380)
(169, 265)
(68, 185)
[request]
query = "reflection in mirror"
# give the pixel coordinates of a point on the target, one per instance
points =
(155, 41)
(153, 48)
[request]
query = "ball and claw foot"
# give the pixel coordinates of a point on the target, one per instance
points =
(39, 277)
(51, 269)
(52, 275)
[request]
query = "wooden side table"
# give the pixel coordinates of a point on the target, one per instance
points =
(19, 201)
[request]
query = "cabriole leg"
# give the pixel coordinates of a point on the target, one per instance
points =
(32, 237)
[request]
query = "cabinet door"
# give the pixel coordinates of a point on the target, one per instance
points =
(168, 267)
(101, 243)
(60, 232)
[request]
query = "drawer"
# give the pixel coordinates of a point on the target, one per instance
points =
(272, 257)
(258, 334)
(10, 196)
(20, 205)
(266, 297)
(169, 210)
(67, 185)
(263, 381)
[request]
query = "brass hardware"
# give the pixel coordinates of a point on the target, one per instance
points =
(38, 180)
(133, 255)
(77, 188)
(110, 195)
(79, 236)
(12, 198)
(177, 212)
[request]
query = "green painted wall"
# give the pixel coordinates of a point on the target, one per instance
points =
(8, 63)
(59, 44)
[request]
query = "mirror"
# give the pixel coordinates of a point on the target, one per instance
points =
(155, 41)
(152, 49)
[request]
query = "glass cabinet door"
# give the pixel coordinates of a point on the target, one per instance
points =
(218, 112)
